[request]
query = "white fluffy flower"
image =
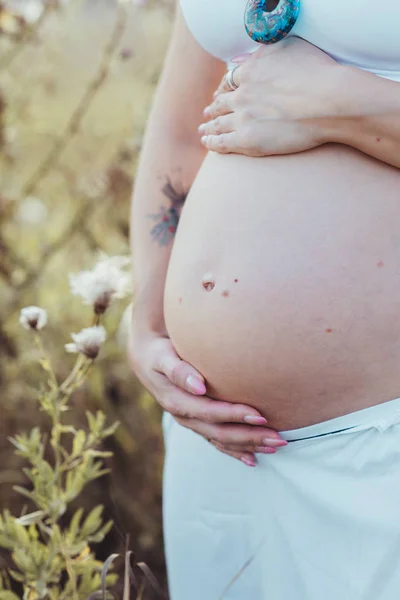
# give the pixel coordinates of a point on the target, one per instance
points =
(33, 317)
(31, 10)
(104, 283)
(88, 341)
(32, 211)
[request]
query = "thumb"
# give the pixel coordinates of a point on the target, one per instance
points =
(179, 372)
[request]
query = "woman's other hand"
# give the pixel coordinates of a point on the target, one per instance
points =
(285, 93)
(235, 429)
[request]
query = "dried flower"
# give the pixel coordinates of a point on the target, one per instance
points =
(31, 11)
(88, 341)
(32, 211)
(105, 283)
(33, 317)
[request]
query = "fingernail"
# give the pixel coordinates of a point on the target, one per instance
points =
(240, 57)
(263, 450)
(203, 139)
(275, 442)
(252, 420)
(249, 462)
(201, 128)
(206, 111)
(195, 385)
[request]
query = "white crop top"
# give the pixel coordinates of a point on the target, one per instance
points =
(363, 33)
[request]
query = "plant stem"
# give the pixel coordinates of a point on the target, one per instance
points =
(70, 570)
(72, 375)
(46, 364)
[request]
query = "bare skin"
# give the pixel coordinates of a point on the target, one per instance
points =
(307, 247)
(278, 265)
(292, 96)
(172, 154)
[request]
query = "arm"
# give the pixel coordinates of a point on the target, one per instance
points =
(170, 159)
(292, 97)
(369, 116)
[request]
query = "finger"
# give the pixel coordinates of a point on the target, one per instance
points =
(221, 88)
(239, 436)
(224, 85)
(235, 74)
(267, 449)
(222, 105)
(247, 458)
(223, 143)
(180, 373)
(217, 126)
(204, 409)
(241, 58)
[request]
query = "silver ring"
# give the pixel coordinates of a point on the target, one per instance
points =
(230, 82)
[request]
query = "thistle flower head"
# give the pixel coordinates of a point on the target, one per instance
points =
(106, 282)
(32, 211)
(33, 317)
(87, 341)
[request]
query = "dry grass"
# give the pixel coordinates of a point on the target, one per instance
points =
(74, 95)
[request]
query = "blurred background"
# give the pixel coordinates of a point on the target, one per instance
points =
(76, 82)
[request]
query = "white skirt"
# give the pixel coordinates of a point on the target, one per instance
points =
(318, 519)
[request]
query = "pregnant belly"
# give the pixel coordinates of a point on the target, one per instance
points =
(284, 283)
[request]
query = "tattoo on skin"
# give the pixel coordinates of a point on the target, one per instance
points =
(167, 219)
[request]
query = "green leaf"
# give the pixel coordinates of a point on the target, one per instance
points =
(110, 430)
(78, 443)
(45, 471)
(18, 443)
(91, 421)
(16, 575)
(23, 561)
(33, 517)
(24, 492)
(75, 481)
(92, 522)
(99, 536)
(67, 429)
(21, 534)
(74, 525)
(99, 453)
(33, 532)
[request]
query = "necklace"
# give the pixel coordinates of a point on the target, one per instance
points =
(268, 27)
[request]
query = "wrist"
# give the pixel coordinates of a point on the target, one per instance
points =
(148, 318)
(341, 109)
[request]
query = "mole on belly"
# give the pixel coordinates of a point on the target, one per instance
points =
(225, 293)
(208, 282)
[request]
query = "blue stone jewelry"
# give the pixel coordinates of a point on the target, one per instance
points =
(268, 27)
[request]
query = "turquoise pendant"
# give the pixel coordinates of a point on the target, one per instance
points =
(268, 27)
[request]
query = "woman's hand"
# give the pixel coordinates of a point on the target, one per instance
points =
(285, 93)
(235, 429)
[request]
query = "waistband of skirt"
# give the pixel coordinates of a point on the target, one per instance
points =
(380, 416)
